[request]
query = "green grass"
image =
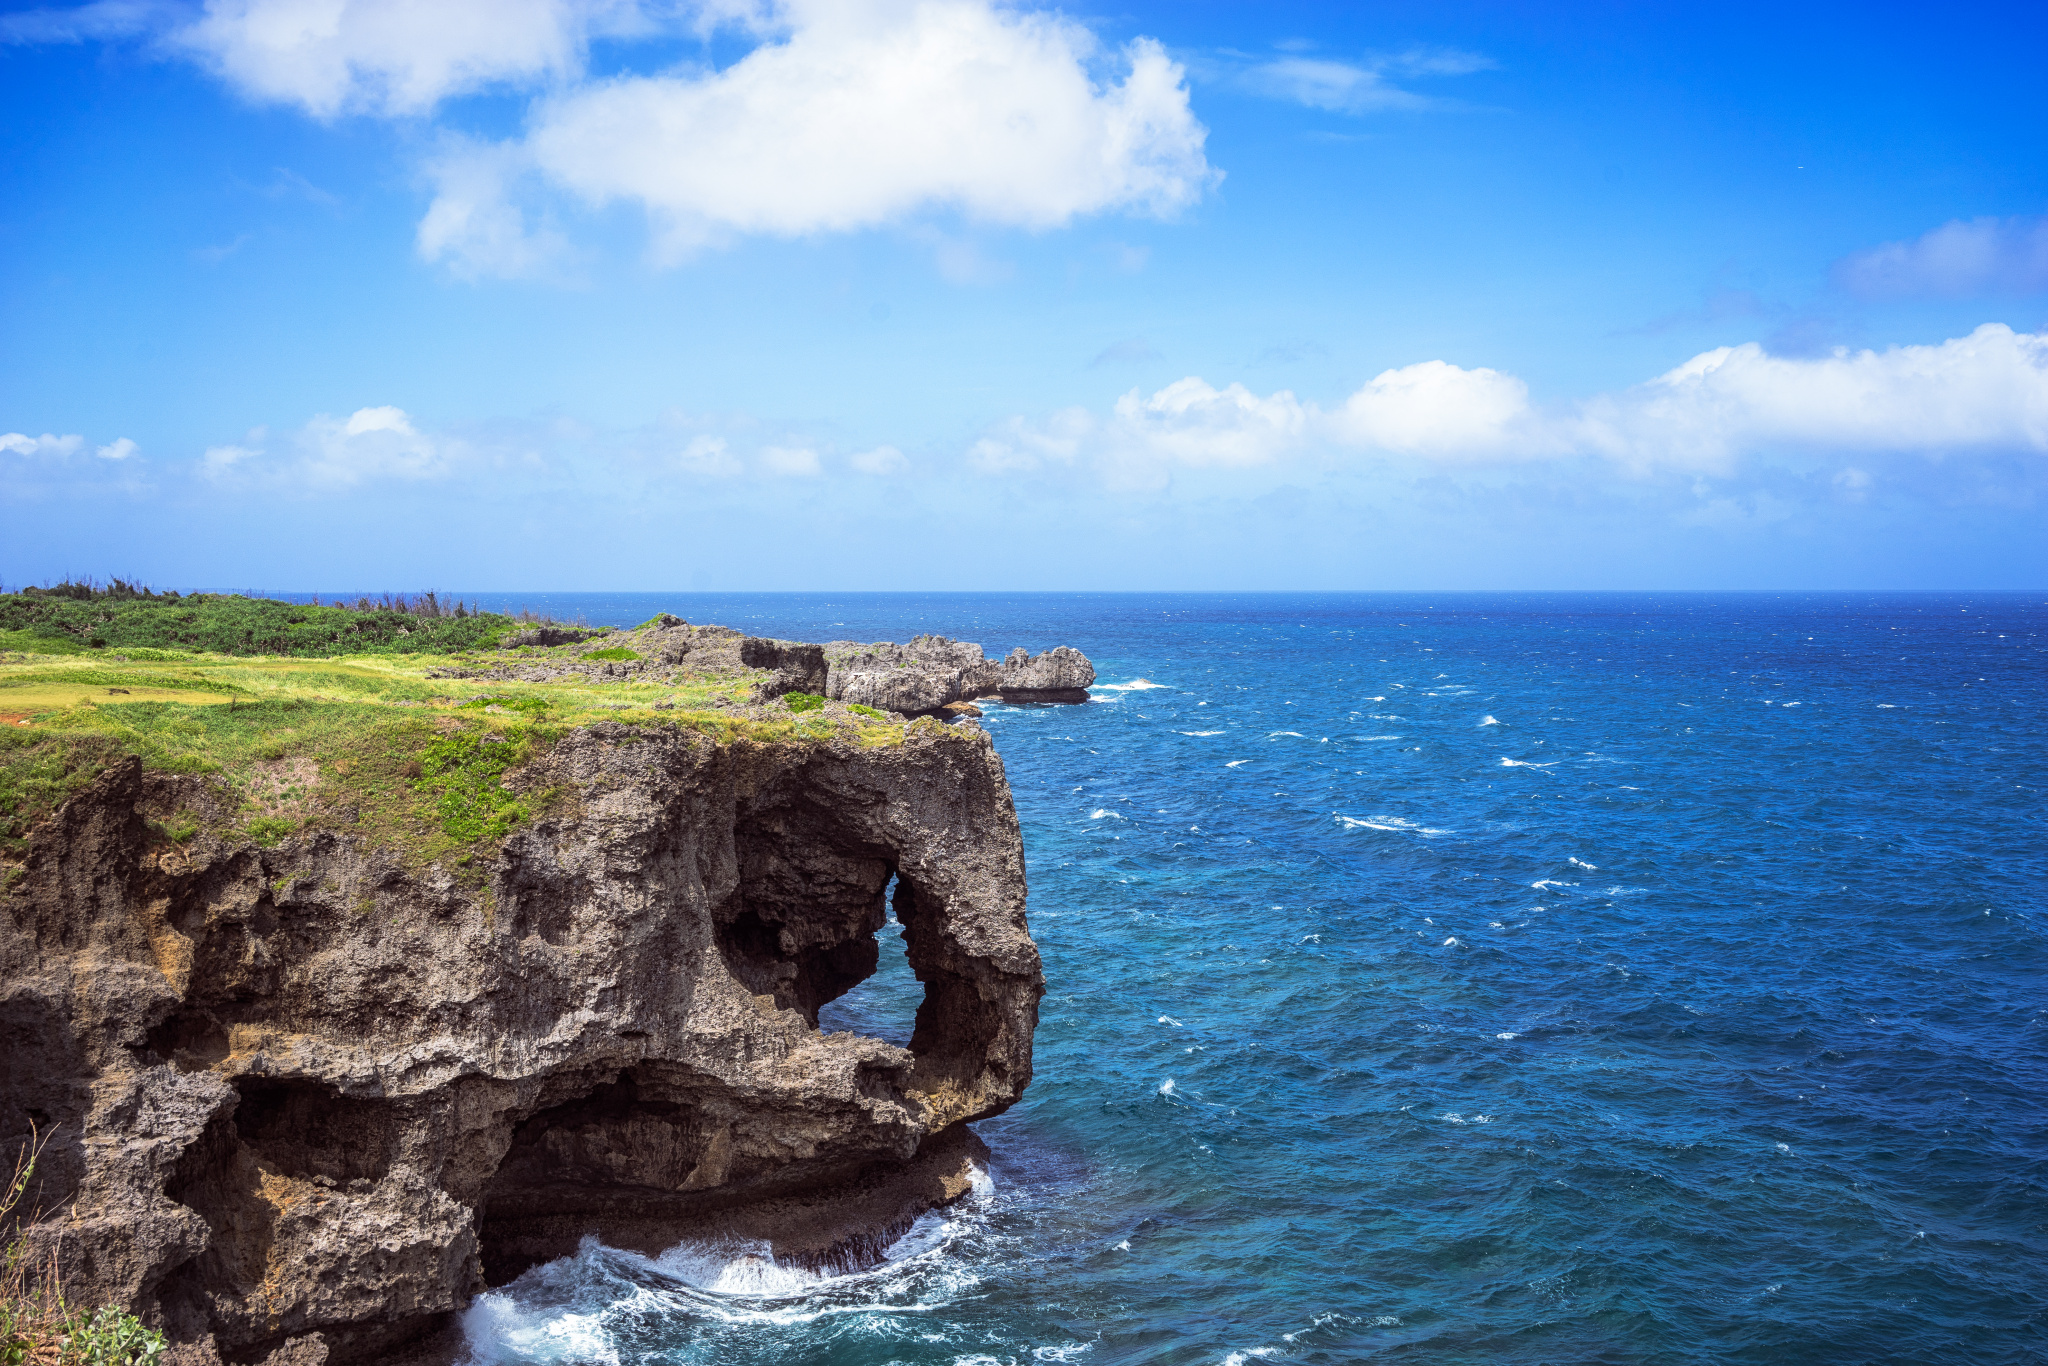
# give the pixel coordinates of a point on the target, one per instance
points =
(465, 772)
(617, 653)
(367, 744)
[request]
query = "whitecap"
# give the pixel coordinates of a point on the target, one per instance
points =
(1295, 733)
(577, 1308)
(1393, 823)
(1448, 942)
(1382, 737)
(1551, 882)
(1166, 1087)
(1235, 762)
(1507, 1034)
(1518, 763)
(1103, 812)
(1583, 864)
(1199, 732)
(1135, 685)
(1491, 721)
(1255, 1354)
(1168, 1019)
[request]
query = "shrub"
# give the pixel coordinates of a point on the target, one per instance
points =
(866, 710)
(617, 653)
(803, 701)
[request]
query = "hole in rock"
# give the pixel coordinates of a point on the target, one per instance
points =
(801, 924)
(885, 1005)
(306, 1129)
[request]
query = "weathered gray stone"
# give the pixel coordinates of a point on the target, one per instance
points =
(1061, 674)
(916, 679)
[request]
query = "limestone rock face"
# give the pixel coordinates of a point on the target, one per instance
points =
(931, 674)
(312, 1098)
(1061, 674)
(916, 679)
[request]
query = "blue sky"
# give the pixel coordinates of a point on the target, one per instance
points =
(589, 294)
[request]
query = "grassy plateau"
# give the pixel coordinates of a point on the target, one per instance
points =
(337, 717)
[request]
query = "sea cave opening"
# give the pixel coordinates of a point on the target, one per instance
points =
(884, 1004)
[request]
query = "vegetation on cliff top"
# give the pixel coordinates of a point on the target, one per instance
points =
(416, 748)
(76, 618)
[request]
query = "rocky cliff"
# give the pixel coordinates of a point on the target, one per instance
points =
(309, 1095)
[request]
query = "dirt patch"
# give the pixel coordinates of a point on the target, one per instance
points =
(283, 787)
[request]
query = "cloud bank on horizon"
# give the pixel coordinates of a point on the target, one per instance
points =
(968, 129)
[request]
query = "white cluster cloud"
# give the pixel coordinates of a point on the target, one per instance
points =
(1982, 256)
(1191, 423)
(20, 443)
(395, 57)
(62, 447)
(1441, 410)
(846, 114)
(1984, 393)
(859, 113)
(329, 452)
(881, 462)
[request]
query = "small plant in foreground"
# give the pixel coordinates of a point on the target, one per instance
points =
(803, 701)
(36, 1326)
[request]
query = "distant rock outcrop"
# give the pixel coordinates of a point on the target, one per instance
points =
(1061, 674)
(929, 674)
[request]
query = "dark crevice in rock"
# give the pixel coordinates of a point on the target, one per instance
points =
(309, 1130)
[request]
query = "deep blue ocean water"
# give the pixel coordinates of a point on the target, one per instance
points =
(1467, 979)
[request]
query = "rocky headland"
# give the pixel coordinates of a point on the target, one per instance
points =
(325, 1042)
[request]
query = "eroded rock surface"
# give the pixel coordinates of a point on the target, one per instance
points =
(311, 1099)
(1061, 674)
(931, 675)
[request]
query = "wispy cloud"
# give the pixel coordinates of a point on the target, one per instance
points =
(1359, 87)
(96, 22)
(214, 255)
(1129, 351)
(289, 184)
(1984, 256)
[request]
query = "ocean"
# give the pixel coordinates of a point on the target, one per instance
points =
(1463, 978)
